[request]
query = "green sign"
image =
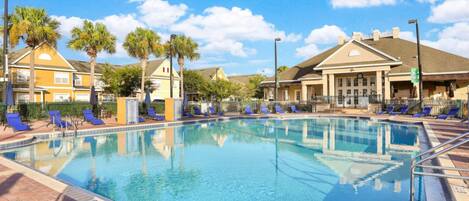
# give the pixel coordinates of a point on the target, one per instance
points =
(414, 76)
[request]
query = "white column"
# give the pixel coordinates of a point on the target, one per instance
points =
(331, 85)
(304, 92)
(387, 136)
(379, 83)
(417, 91)
(387, 87)
(324, 85)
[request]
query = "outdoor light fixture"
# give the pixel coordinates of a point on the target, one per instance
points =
(276, 78)
(171, 78)
(419, 63)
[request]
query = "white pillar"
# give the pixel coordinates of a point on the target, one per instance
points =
(324, 85)
(331, 85)
(325, 138)
(379, 83)
(387, 87)
(304, 92)
(387, 136)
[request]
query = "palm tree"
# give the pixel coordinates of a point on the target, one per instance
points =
(92, 38)
(183, 48)
(33, 26)
(140, 44)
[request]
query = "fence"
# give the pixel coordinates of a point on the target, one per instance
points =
(34, 111)
(439, 106)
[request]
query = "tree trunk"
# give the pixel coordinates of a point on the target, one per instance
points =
(143, 63)
(31, 74)
(92, 66)
(181, 76)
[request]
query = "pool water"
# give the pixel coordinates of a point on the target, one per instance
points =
(247, 159)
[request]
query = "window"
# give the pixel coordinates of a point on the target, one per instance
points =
(156, 84)
(365, 92)
(364, 81)
(349, 92)
(44, 56)
(355, 82)
(82, 97)
(61, 97)
(298, 95)
(78, 80)
(22, 75)
(61, 78)
(373, 81)
(339, 82)
(22, 98)
(354, 53)
(349, 82)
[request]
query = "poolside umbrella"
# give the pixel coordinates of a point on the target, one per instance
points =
(147, 98)
(93, 97)
(9, 94)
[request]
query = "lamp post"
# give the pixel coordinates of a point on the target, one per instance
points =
(276, 77)
(419, 61)
(5, 49)
(171, 77)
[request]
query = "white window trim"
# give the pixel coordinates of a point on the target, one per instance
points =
(60, 94)
(87, 97)
(62, 73)
(297, 90)
(79, 77)
(18, 95)
(25, 75)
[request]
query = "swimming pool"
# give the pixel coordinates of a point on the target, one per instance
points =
(244, 159)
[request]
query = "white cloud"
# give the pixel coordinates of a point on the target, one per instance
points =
(453, 39)
(157, 13)
(427, 1)
(450, 11)
(67, 24)
(326, 35)
(408, 35)
(121, 25)
(360, 3)
(223, 30)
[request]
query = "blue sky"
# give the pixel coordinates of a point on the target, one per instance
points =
(238, 35)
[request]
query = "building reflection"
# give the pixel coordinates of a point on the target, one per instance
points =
(358, 152)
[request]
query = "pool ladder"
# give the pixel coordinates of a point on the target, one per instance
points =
(432, 154)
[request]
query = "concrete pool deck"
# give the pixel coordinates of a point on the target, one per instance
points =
(15, 182)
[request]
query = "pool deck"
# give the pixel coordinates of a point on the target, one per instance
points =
(18, 182)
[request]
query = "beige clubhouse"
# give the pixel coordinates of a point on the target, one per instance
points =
(376, 66)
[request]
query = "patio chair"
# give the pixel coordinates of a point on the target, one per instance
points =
(55, 117)
(403, 110)
(293, 109)
(388, 110)
(425, 112)
(264, 109)
(151, 113)
(451, 113)
(197, 111)
(188, 114)
(279, 109)
(211, 110)
(141, 119)
(247, 110)
(89, 117)
(14, 121)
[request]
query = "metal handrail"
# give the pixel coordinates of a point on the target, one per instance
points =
(415, 163)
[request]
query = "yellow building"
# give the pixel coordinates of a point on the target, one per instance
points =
(60, 80)
(363, 69)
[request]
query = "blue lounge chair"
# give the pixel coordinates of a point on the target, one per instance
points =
(211, 110)
(293, 109)
(403, 110)
(197, 111)
(247, 110)
(141, 119)
(188, 114)
(279, 110)
(388, 110)
(151, 113)
(451, 113)
(14, 121)
(55, 118)
(89, 117)
(264, 109)
(425, 112)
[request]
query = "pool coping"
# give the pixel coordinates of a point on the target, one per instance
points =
(38, 137)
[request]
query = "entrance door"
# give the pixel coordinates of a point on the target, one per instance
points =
(354, 92)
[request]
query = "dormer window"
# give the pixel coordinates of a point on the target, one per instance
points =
(44, 56)
(354, 53)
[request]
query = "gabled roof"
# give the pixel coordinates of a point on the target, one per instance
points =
(84, 66)
(207, 73)
(152, 66)
(433, 60)
(241, 79)
(16, 54)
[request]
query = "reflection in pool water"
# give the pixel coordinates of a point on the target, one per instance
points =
(300, 159)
